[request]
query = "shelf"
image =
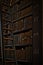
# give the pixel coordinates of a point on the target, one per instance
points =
(22, 17)
(5, 23)
(18, 32)
(15, 2)
(8, 38)
(8, 49)
(22, 61)
(6, 34)
(10, 61)
(23, 45)
(18, 19)
(6, 20)
(28, 5)
(7, 46)
(7, 29)
(22, 31)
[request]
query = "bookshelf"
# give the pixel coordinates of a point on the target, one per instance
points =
(20, 32)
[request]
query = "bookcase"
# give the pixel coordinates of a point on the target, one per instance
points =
(20, 32)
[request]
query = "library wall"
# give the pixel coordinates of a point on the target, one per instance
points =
(20, 32)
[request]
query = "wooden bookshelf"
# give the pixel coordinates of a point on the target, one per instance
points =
(8, 49)
(7, 29)
(8, 38)
(20, 32)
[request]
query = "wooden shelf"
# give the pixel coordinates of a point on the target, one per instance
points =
(6, 23)
(7, 34)
(7, 29)
(22, 45)
(7, 46)
(17, 2)
(24, 62)
(14, 2)
(10, 61)
(8, 49)
(27, 5)
(22, 31)
(6, 20)
(8, 38)
(22, 17)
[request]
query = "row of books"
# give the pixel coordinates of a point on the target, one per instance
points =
(23, 13)
(18, 26)
(23, 24)
(21, 51)
(19, 3)
(21, 54)
(22, 38)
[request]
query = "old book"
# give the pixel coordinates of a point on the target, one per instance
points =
(29, 54)
(20, 25)
(19, 14)
(16, 37)
(23, 38)
(5, 42)
(15, 26)
(4, 31)
(20, 54)
(10, 43)
(29, 33)
(9, 54)
(27, 1)
(21, 4)
(9, 63)
(29, 37)
(10, 26)
(28, 22)
(26, 38)
(26, 11)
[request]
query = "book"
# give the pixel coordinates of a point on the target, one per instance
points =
(26, 11)
(20, 54)
(28, 22)
(20, 25)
